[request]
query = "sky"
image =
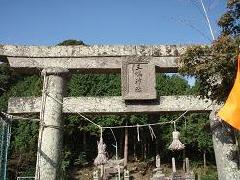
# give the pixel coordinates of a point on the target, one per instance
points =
(48, 22)
(145, 22)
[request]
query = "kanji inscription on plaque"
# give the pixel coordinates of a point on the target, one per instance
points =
(138, 79)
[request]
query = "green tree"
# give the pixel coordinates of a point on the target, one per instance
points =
(5, 77)
(24, 133)
(71, 42)
(229, 22)
(215, 68)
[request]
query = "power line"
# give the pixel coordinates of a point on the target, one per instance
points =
(207, 18)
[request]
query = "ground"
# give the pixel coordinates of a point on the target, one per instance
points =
(143, 171)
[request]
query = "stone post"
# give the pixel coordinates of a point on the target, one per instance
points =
(95, 175)
(126, 174)
(173, 166)
(187, 166)
(50, 141)
(158, 175)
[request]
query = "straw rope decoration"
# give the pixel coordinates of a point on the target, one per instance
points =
(176, 143)
(101, 158)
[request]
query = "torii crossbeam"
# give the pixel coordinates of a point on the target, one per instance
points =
(57, 62)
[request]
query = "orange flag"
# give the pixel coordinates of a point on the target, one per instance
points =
(230, 112)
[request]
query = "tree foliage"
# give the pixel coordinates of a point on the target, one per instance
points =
(5, 76)
(215, 66)
(229, 22)
(71, 42)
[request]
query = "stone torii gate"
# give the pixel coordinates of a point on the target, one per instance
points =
(58, 62)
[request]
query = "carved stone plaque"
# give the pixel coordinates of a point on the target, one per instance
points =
(138, 79)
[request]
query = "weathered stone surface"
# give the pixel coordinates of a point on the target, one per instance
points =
(87, 64)
(96, 58)
(50, 142)
(94, 50)
(225, 148)
(113, 105)
(138, 79)
(24, 105)
(58, 71)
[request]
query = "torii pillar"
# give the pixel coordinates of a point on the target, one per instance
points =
(50, 141)
(90, 59)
